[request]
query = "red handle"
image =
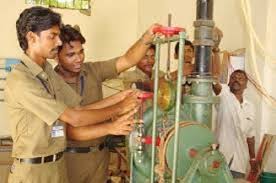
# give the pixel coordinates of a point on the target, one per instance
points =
(168, 31)
(145, 95)
(148, 140)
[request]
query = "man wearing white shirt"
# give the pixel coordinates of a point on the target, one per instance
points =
(235, 125)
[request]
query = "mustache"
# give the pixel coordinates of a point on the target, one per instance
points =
(55, 49)
(235, 82)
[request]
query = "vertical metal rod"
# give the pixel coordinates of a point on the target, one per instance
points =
(169, 46)
(131, 166)
(182, 37)
(156, 79)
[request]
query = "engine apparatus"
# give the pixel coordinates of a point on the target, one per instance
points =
(175, 143)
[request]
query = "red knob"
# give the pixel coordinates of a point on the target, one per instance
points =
(216, 164)
(145, 95)
(193, 152)
(168, 31)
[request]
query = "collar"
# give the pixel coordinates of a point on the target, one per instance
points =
(35, 69)
(83, 71)
(140, 72)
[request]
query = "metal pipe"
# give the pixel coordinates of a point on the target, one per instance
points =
(131, 166)
(155, 96)
(203, 59)
(204, 9)
(203, 37)
(182, 37)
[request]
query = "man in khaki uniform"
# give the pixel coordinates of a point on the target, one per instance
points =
(86, 162)
(143, 73)
(40, 103)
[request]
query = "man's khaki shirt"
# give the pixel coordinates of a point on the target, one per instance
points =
(35, 99)
(136, 75)
(89, 87)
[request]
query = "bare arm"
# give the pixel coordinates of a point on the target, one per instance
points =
(254, 164)
(122, 126)
(111, 100)
(216, 72)
(83, 116)
(136, 52)
(251, 147)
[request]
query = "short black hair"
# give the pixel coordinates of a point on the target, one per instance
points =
(35, 19)
(187, 43)
(241, 72)
(69, 33)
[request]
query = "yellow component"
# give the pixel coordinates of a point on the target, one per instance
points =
(166, 95)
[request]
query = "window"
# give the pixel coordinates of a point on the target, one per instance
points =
(69, 4)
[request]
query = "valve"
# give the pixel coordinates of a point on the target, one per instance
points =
(168, 31)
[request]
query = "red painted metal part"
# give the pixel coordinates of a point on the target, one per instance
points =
(193, 152)
(148, 140)
(145, 95)
(216, 164)
(168, 31)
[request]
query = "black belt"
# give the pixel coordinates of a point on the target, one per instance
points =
(39, 160)
(85, 149)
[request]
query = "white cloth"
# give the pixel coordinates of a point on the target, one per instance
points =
(235, 122)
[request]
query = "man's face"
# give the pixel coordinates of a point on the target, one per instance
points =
(188, 54)
(147, 62)
(71, 56)
(238, 82)
(46, 43)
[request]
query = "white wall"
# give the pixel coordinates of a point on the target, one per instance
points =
(109, 31)
(183, 15)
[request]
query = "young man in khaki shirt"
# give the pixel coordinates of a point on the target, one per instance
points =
(85, 163)
(40, 104)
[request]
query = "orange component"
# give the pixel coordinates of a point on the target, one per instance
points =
(193, 152)
(216, 164)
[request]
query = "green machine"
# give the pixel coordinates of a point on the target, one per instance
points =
(175, 143)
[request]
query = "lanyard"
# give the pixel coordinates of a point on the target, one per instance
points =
(81, 85)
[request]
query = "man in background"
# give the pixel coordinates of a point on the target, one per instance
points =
(236, 124)
(142, 76)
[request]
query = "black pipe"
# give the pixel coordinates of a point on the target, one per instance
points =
(203, 60)
(204, 9)
(203, 37)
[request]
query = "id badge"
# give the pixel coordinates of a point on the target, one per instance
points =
(57, 131)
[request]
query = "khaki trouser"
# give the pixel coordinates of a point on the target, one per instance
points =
(88, 167)
(52, 172)
(5, 166)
